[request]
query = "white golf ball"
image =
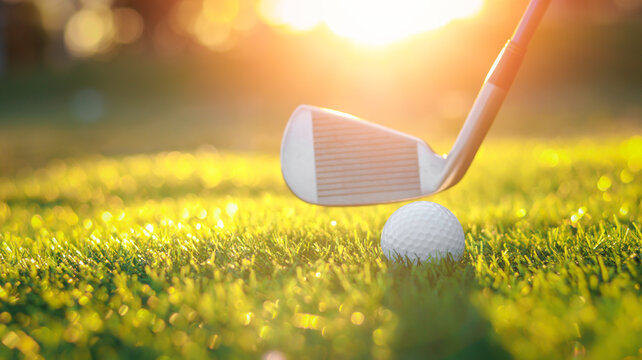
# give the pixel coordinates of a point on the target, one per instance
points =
(422, 230)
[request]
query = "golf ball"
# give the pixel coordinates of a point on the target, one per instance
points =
(422, 230)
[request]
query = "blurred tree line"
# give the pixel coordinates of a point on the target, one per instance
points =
(34, 32)
(148, 75)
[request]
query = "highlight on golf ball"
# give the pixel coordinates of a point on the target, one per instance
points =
(422, 231)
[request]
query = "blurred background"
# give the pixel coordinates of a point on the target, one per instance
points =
(114, 77)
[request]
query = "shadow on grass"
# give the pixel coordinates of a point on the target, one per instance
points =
(436, 318)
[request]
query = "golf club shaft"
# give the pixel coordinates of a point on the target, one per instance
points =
(509, 60)
(492, 94)
(530, 20)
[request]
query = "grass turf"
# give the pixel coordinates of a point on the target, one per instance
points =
(202, 254)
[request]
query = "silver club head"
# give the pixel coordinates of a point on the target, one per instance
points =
(332, 158)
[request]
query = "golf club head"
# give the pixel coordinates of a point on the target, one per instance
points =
(336, 159)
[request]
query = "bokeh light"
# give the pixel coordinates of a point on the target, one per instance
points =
(221, 11)
(129, 25)
(215, 24)
(215, 35)
(90, 31)
(88, 105)
(183, 15)
(54, 13)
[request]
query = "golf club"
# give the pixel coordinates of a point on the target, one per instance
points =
(336, 159)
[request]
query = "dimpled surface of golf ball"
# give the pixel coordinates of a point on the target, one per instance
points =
(422, 230)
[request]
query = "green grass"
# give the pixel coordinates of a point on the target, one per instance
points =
(197, 255)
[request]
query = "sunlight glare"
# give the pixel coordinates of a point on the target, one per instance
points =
(298, 15)
(371, 22)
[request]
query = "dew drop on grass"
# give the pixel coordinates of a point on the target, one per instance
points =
(231, 209)
(247, 318)
(624, 209)
(106, 216)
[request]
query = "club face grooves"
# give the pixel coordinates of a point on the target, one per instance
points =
(358, 163)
